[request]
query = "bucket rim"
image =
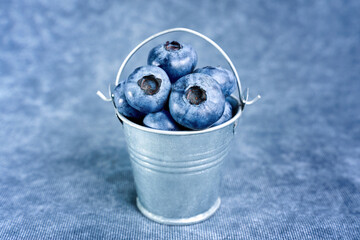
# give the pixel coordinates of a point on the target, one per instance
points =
(233, 120)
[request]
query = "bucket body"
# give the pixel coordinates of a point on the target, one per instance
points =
(177, 175)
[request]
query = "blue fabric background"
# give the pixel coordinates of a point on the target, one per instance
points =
(294, 168)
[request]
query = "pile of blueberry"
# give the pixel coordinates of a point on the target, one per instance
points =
(168, 94)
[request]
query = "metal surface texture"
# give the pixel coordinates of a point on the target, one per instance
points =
(177, 177)
(177, 174)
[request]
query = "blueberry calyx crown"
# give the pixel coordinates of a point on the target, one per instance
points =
(150, 84)
(172, 46)
(196, 95)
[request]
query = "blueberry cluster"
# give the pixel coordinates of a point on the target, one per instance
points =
(170, 94)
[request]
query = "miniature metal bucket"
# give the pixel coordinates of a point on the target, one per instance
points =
(178, 173)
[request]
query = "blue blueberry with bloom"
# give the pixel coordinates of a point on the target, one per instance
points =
(147, 89)
(226, 116)
(122, 105)
(196, 101)
(161, 120)
(175, 58)
(224, 77)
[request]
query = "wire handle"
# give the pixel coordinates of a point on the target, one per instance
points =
(243, 101)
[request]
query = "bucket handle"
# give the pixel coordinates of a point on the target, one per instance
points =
(243, 96)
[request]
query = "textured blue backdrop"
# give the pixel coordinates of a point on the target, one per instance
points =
(294, 169)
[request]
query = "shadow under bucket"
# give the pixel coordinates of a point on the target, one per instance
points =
(178, 173)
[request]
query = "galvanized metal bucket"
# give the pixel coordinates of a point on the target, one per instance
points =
(178, 173)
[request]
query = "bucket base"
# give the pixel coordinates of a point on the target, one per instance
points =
(179, 221)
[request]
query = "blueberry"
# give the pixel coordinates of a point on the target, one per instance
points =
(122, 105)
(161, 120)
(196, 101)
(176, 59)
(224, 77)
(147, 89)
(227, 115)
